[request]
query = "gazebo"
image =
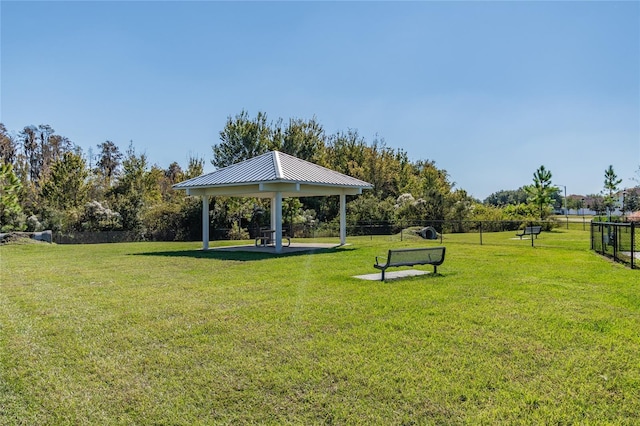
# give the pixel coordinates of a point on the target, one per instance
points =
(274, 175)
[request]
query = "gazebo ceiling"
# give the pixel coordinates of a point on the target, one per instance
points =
(267, 174)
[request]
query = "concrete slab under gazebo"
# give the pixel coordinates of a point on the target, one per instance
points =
(274, 175)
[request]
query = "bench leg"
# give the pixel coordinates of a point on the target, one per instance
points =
(382, 279)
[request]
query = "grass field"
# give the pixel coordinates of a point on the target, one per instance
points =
(163, 333)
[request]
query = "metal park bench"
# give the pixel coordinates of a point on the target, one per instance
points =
(530, 230)
(410, 257)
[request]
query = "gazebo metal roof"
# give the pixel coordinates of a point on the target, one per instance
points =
(256, 176)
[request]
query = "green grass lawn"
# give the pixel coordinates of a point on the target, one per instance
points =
(163, 333)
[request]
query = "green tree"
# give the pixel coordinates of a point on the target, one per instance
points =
(383, 169)
(611, 183)
(300, 138)
(66, 187)
(11, 217)
(51, 147)
(241, 139)
(346, 153)
(177, 215)
(195, 167)
(595, 202)
(8, 149)
(32, 153)
(631, 200)
(541, 191)
(434, 190)
(134, 191)
(507, 197)
(459, 209)
(109, 160)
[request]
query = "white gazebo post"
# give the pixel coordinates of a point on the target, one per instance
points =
(343, 219)
(278, 227)
(205, 222)
(273, 214)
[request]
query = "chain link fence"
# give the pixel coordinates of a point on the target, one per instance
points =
(316, 230)
(619, 241)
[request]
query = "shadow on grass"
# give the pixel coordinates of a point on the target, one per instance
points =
(242, 256)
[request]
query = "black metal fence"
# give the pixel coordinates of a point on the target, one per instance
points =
(620, 241)
(446, 226)
(96, 237)
(317, 230)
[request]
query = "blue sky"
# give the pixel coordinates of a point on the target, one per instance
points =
(488, 90)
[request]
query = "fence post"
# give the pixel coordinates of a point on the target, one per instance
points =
(633, 244)
(615, 241)
(480, 232)
(531, 235)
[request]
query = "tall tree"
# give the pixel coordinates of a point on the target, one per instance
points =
(631, 201)
(174, 173)
(242, 138)
(300, 138)
(32, 153)
(611, 183)
(382, 169)
(56, 146)
(460, 208)
(541, 191)
(346, 153)
(10, 209)
(434, 189)
(66, 187)
(136, 190)
(47, 157)
(8, 148)
(195, 167)
(108, 161)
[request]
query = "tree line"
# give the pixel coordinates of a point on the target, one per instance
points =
(48, 182)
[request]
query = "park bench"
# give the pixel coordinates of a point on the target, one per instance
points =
(410, 257)
(267, 237)
(530, 230)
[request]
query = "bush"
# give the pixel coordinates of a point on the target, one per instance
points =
(238, 233)
(97, 217)
(33, 224)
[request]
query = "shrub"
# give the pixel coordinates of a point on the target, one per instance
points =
(238, 233)
(97, 217)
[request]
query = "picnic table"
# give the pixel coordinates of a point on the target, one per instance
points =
(268, 238)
